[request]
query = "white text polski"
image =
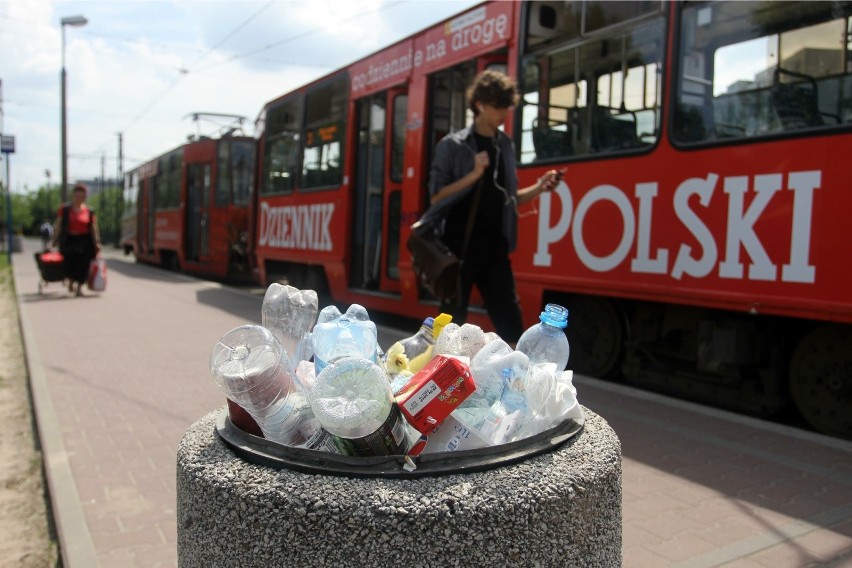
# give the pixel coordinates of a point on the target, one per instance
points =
(296, 226)
(474, 32)
(637, 212)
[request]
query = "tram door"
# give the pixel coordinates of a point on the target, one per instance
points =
(151, 212)
(448, 110)
(142, 214)
(377, 198)
(197, 210)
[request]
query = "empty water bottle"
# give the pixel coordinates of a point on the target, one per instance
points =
(418, 347)
(339, 335)
(252, 369)
(352, 400)
(290, 313)
(545, 342)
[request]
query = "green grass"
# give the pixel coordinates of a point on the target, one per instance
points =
(5, 272)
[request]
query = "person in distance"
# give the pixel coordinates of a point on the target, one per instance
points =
(480, 159)
(77, 237)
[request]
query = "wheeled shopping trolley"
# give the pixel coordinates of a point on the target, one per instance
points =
(51, 267)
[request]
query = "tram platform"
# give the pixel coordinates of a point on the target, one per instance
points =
(117, 379)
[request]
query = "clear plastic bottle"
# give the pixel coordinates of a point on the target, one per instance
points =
(352, 400)
(253, 370)
(545, 342)
(418, 347)
(339, 335)
(290, 313)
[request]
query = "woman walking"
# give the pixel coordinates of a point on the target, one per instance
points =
(78, 238)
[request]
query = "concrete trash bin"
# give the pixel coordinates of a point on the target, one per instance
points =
(560, 508)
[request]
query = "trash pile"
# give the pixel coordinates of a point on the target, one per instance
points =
(319, 380)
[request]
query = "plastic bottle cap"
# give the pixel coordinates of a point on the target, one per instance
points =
(555, 315)
(429, 322)
(439, 323)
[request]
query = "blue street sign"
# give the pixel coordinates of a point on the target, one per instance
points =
(7, 144)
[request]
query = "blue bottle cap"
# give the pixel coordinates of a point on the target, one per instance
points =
(555, 315)
(429, 322)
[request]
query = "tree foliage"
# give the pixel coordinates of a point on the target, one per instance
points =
(31, 209)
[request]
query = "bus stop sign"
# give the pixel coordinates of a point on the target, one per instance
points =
(7, 144)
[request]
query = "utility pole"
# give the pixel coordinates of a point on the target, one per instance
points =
(101, 199)
(7, 146)
(119, 194)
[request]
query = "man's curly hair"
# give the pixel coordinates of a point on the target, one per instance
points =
(494, 89)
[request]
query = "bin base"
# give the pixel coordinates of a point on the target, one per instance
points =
(558, 509)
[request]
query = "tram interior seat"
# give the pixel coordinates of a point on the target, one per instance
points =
(611, 133)
(551, 142)
(797, 102)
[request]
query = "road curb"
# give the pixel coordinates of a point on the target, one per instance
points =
(75, 540)
(722, 414)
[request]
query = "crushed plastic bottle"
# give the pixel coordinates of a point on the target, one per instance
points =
(545, 342)
(337, 335)
(513, 394)
(465, 340)
(352, 401)
(487, 368)
(249, 365)
(290, 313)
(560, 404)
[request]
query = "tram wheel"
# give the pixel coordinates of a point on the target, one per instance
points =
(821, 379)
(595, 336)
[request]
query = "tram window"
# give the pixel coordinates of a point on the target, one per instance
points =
(281, 147)
(167, 181)
(591, 96)
(235, 178)
(400, 114)
(602, 13)
(791, 77)
(325, 111)
(131, 189)
(448, 107)
(242, 170)
(223, 177)
(551, 22)
(448, 110)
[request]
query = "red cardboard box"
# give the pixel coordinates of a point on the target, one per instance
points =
(434, 392)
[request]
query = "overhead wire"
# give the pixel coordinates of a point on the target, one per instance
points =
(184, 72)
(300, 35)
(171, 85)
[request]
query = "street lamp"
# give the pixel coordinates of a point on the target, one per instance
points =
(76, 21)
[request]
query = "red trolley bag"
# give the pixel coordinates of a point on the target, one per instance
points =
(51, 267)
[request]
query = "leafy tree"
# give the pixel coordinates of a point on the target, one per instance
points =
(31, 209)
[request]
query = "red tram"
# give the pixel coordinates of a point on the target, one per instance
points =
(188, 209)
(698, 236)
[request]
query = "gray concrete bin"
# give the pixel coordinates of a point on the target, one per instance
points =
(550, 500)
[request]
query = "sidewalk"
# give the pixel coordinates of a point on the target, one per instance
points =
(117, 380)
(705, 487)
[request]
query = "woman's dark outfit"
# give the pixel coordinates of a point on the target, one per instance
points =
(77, 241)
(486, 261)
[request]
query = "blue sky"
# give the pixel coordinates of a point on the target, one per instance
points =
(142, 68)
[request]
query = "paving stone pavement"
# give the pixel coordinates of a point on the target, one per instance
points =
(118, 377)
